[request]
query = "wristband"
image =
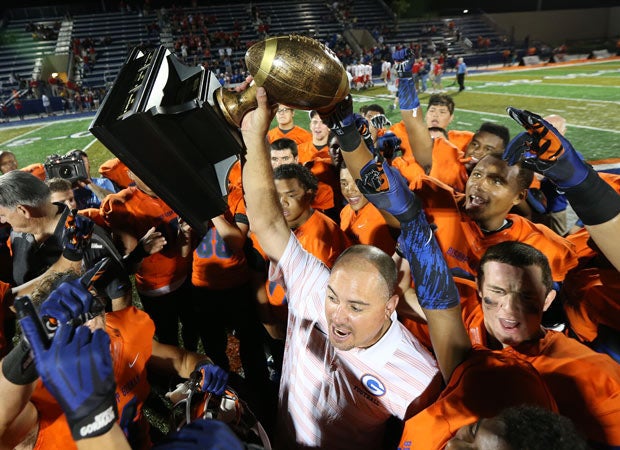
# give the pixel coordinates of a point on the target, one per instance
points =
(18, 365)
(593, 200)
(97, 422)
(348, 136)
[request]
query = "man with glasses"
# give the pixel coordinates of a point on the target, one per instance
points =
(286, 127)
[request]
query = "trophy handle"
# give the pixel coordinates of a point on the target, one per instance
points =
(234, 105)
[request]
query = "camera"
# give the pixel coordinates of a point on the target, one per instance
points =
(71, 167)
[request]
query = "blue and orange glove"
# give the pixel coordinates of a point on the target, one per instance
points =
(387, 189)
(214, 378)
(544, 150)
(388, 145)
(76, 236)
(202, 434)
(77, 370)
(380, 121)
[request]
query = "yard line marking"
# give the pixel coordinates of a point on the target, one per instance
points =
(90, 144)
(21, 136)
(568, 124)
(576, 107)
(548, 97)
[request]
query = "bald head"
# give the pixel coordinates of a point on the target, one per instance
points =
(558, 122)
(357, 255)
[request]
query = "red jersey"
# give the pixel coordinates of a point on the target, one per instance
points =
(134, 212)
(131, 334)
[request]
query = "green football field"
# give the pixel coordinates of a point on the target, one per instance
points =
(587, 94)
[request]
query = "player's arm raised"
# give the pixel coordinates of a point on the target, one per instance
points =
(262, 205)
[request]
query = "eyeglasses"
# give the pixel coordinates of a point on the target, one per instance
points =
(283, 110)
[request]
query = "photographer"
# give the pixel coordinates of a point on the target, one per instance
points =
(89, 192)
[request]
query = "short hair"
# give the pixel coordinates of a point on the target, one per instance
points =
(498, 130)
(441, 100)
(6, 152)
(524, 177)
(22, 188)
(58, 184)
(77, 152)
(535, 428)
(439, 130)
(313, 113)
(375, 107)
(289, 171)
(284, 144)
(517, 254)
(380, 260)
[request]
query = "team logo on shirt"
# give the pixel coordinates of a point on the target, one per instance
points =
(373, 385)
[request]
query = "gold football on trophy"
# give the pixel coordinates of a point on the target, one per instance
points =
(296, 71)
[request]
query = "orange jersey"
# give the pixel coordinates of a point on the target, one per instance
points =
(328, 193)
(460, 139)
(297, 134)
(134, 212)
(401, 132)
(591, 299)
(320, 236)
(307, 151)
(447, 166)
(215, 266)
(367, 226)
(585, 384)
(37, 169)
(131, 334)
(463, 243)
(480, 387)
(116, 171)
(411, 170)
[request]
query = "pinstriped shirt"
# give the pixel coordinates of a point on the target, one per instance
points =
(336, 399)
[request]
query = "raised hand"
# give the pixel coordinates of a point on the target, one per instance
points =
(544, 150)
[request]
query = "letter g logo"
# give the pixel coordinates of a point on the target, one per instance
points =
(373, 385)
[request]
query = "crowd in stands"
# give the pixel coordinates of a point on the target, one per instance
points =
(43, 31)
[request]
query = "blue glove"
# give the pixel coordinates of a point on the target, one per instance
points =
(386, 188)
(69, 303)
(433, 282)
(76, 236)
(388, 145)
(403, 62)
(342, 122)
(77, 369)
(214, 378)
(202, 434)
(407, 95)
(544, 150)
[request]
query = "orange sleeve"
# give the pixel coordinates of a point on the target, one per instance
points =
(116, 171)
(321, 236)
(37, 169)
(401, 132)
(460, 138)
(447, 166)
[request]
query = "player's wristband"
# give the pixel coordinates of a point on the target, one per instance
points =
(93, 423)
(593, 200)
(348, 136)
(18, 366)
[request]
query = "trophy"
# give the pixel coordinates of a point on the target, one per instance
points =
(177, 128)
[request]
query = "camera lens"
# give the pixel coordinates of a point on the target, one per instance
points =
(65, 172)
